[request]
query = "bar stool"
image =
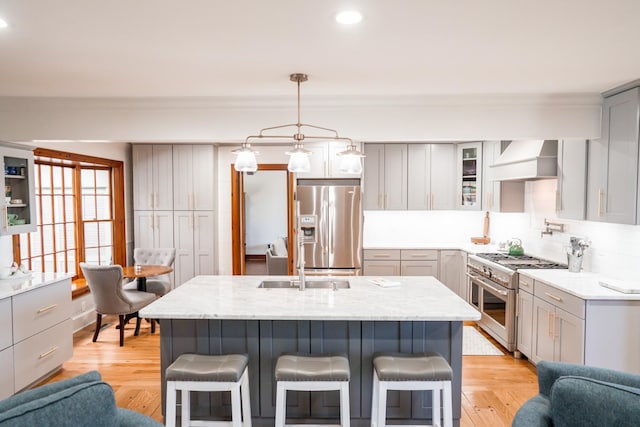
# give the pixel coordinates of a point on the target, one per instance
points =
(312, 373)
(399, 371)
(199, 372)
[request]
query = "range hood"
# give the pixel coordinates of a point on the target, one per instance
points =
(525, 161)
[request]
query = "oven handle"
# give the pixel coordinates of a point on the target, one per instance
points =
(487, 285)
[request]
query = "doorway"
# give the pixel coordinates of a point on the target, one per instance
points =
(250, 211)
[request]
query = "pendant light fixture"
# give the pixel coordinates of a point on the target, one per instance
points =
(299, 156)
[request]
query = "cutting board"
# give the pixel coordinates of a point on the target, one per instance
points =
(621, 286)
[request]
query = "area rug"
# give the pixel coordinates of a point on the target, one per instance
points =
(475, 344)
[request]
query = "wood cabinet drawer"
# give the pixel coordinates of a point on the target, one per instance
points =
(41, 308)
(37, 356)
(6, 330)
(525, 283)
(381, 268)
(560, 299)
(6, 373)
(376, 254)
(419, 254)
(419, 268)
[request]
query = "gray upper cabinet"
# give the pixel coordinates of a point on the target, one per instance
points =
(612, 188)
(431, 177)
(572, 179)
(385, 176)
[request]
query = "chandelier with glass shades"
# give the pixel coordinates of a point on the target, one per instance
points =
(350, 159)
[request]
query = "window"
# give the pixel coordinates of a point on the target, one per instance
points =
(80, 210)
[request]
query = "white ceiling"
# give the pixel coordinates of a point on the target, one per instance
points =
(142, 48)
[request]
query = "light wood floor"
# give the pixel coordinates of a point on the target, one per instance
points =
(493, 387)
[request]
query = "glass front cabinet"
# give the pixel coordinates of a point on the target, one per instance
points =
(18, 213)
(469, 176)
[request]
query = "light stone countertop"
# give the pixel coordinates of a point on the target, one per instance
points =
(9, 288)
(584, 285)
(470, 248)
(238, 297)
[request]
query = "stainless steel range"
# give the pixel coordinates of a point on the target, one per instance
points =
(493, 283)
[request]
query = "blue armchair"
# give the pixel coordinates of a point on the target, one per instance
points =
(84, 400)
(578, 395)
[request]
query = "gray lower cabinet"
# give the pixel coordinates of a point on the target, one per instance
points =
(265, 340)
(401, 262)
(36, 335)
(451, 264)
(524, 316)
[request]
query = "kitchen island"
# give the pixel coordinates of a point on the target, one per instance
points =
(230, 314)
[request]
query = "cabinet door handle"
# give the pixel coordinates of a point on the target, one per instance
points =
(557, 298)
(549, 321)
(150, 200)
(555, 327)
(600, 198)
(46, 353)
(6, 218)
(47, 308)
(380, 201)
(558, 201)
(433, 201)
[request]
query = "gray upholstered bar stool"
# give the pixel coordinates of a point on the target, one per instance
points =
(400, 371)
(199, 372)
(312, 373)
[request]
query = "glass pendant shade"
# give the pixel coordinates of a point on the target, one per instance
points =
(299, 162)
(245, 160)
(350, 163)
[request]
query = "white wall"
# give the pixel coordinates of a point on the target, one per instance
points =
(265, 209)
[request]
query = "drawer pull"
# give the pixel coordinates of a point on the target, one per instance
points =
(46, 353)
(381, 256)
(47, 308)
(525, 284)
(553, 297)
(419, 255)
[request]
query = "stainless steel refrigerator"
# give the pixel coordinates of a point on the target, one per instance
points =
(331, 225)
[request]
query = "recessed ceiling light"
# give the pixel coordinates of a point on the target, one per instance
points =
(349, 17)
(3, 23)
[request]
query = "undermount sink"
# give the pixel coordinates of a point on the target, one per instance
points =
(309, 284)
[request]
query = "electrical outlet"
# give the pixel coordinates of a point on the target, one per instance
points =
(83, 306)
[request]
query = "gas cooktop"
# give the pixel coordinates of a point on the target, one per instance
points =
(515, 262)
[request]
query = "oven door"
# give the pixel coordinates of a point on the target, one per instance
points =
(497, 308)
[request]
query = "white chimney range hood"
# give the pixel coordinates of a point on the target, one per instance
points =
(526, 160)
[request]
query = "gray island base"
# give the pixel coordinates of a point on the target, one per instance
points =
(229, 314)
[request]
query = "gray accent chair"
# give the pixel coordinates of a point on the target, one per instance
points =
(277, 258)
(578, 395)
(158, 285)
(84, 400)
(105, 283)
